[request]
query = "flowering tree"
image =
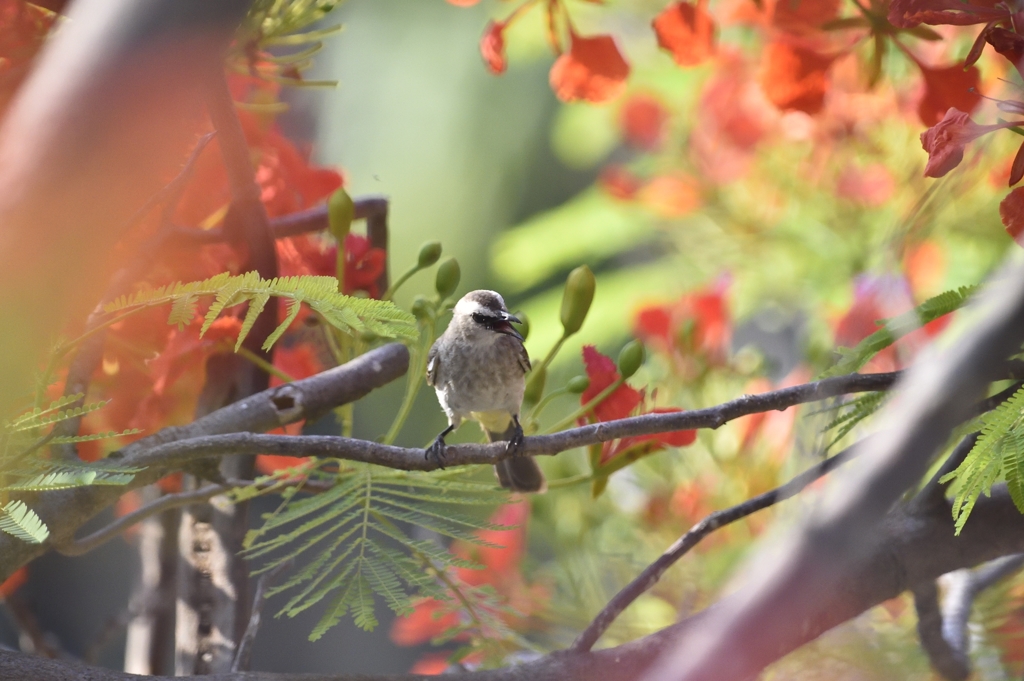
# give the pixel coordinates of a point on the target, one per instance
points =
(189, 297)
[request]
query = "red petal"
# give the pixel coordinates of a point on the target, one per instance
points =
(687, 32)
(794, 77)
(1017, 169)
(619, 182)
(14, 582)
(593, 70)
(1008, 44)
(945, 142)
(945, 87)
(802, 16)
(642, 119)
(601, 370)
(492, 47)
(1011, 210)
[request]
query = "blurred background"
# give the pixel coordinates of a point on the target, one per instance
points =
(743, 239)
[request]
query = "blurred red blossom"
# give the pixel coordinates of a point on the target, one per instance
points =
(795, 77)
(23, 28)
(696, 326)
(592, 70)
(803, 16)
(622, 402)
(1011, 211)
(492, 47)
(14, 582)
(945, 87)
(686, 31)
(672, 195)
(642, 119)
(619, 182)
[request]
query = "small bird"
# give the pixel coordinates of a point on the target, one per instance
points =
(478, 368)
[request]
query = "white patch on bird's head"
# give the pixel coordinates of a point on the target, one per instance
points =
(485, 302)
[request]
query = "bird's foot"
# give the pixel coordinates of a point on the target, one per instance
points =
(436, 451)
(515, 443)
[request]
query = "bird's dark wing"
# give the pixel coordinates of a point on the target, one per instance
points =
(433, 361)
(524, 358)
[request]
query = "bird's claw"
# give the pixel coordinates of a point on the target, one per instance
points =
(436, 452)
(515, 443)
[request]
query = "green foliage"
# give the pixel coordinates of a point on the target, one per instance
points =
(349, 314)
(852, 360)
(22, 471)
(358, 550)
(997, 455)
(853, 412)
(19, 520)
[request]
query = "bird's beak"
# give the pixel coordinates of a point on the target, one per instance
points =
(506, 328)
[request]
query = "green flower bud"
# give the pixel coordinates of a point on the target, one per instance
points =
(340, 213)
(535, 386)
(430, 253)
(577, 384)
(576, 299)
(421, 307)
(448, 275)
(630, 358)
(524, 327)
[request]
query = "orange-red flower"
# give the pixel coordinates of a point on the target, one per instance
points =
(695, 326)
(492, 47)
(1011, 211)
(593, 70)
(622, 402)
(619, 182)
(803, 16)
(642, 120)
(14, 582)
(945, 87)
(795, 77)
(686, 31)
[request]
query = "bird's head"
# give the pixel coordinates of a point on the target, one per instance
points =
(484, 312)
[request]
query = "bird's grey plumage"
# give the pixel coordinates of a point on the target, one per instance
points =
(478, 369)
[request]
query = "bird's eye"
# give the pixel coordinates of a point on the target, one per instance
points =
(480, 318)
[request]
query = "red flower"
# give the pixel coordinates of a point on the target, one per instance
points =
(593, 70)
(363, 265)
(621, 403)
(686, 31)
(14, 582)
(671, 195)
(911, 13)
(619, 182)
(1008, 44)
(803, 16)
(795, 77)
(492, 47)
(946, 87)
(945, 141)
(1011, 211)
(696, 326)
(642, 120)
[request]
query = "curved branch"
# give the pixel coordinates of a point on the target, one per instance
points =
(164, 503)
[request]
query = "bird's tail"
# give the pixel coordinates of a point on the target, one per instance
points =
(519, 473)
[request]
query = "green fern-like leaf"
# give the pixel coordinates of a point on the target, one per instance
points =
(853, 413)
(359, 553)
(20, 521)
(349, 314)
(998, 454)
(852, 359)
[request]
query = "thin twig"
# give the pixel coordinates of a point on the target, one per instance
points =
(164, 503)
(713, 521)
(243, 654)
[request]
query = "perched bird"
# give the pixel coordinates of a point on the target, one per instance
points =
(478, 369)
